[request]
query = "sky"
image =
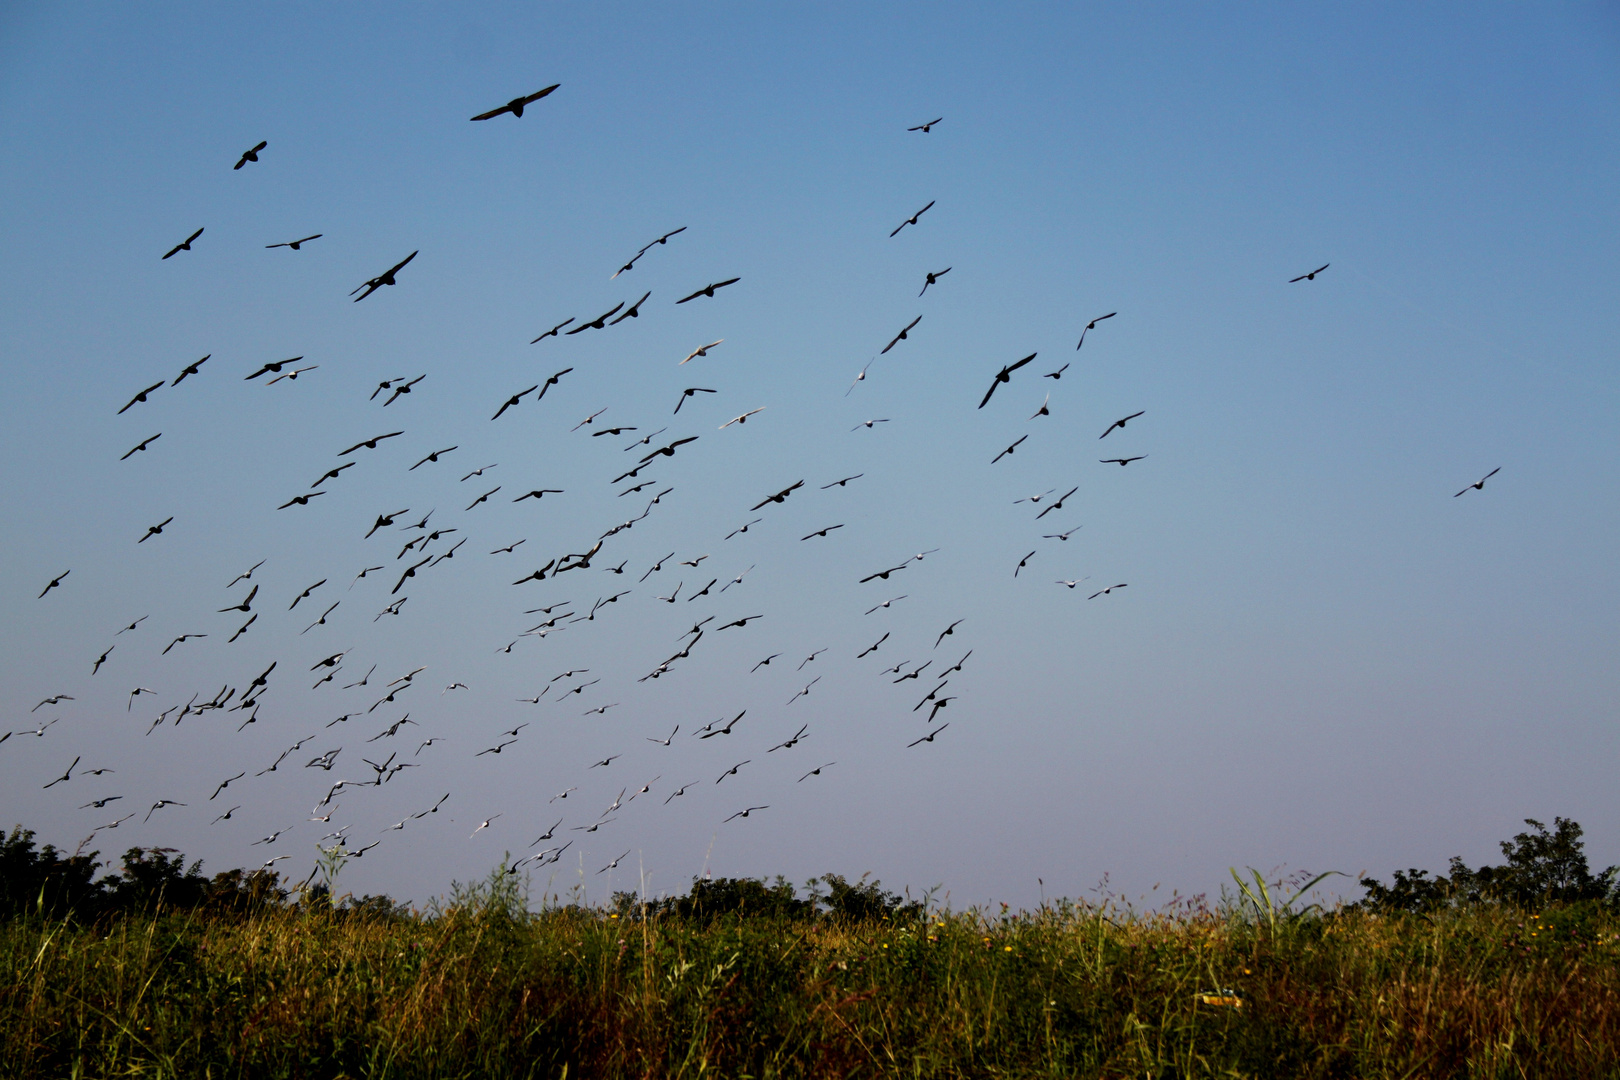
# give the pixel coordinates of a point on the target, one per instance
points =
(1323, 658)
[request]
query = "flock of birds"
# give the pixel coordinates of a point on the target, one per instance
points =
(426, 542)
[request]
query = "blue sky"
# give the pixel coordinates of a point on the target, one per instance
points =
(1322, 659)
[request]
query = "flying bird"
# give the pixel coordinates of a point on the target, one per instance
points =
(553, 331)
(633, 311)
(1120, 423)
(369, 444)
(780, 496)
(513, 400)
(928, 737)
(912, 220)
(933, 278)
(1310, 276)
(947, 632)
(274, 366)
(1120, 461)
(1092, 325)
(868, 424)
(816, 771)
(1003, 376)
(517, 104)
(155, 530)
(332, 474)
(250, 155)
(901, 336)
(667, 451)
(886, 603)
(702, 350)
(384, 278)
(295, 244)
(598, 323)
(433, 457)
(550, 382)
(743, 419)
(301, 500)
(873, 647)
(745, 813)
(190, 369)
(1023, 563)
(1057, 505)
(1058, 374)
(861, 377)
(1009, 449)
(1105, 592)
(708, 290)
(822, 532)
(402, 388)
(54, 582)
(184, 245)
(140, 398)
(1480, 486)
(1043, 410)
(926, 128)
(841, 483)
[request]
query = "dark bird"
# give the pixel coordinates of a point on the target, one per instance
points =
(884, 574)
(821, 532)
(54, 582)
(484, 496)
(1062, 535)
(947, 632)
(933, 278)
(140, 398)
(1023, 563)
(745, 813)
(633, 311)
(155, 530)
(160, 804)
(661, 240)
(305, 596)
(369, 444)
(384, 278)
(243, 629)
(816, 771)
(99, 803)
(513, 400)
(55, 699)
(1058, 374)
(873, 647)
(1310, 276)
(1009, 449)
(667, 451)
(1105, 592)
(409, 573)
(295, 244)
(1476, 487)
(301, 500)
(1057, 505)
(708, 290)
(552, 381)
(517, 105)
(538, 493)
(402, 388)
(331, 474)
(273, 366)
(780, 496)
(597, 323)
(791, 742)
(64, 777)
(1120, 461)
(553, 331)
(733, 770)
(742, 529)
(928, 737)
(225, 784)
(250, 155)
(245, 605)
(1092, 325)
(383, 521)
(1003, 376)
(901, 336)
(926, 128)
(841, 483)
(184, 245)
(246, 575)
(691, 391)
(434, 457)
(1043, 410)
(190, 369)
(1120, 423)
(912, 220)
(589, 420)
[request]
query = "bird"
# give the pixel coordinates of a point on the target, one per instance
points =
(886, 603)
(947, 632)
(160, 804)
(822, 532)
(538, 493)
(708, 290)
(550, 382)
(1310, 276)
(1090, 326)
(1105, 592)
(868, 423)
(928, 737)
(54, 583)
(190, 369)
(331, 474)
(300, 500)
(1009, 449)
(736, 580)
(690, 391)
(901, 336)
(702, 350)
(633, 311)
(743, 419)
(243, 629)
(610, 759)
(666, 742)
(1023, 563)
(475, 472)
(668, 451)
(589, 419)
(64, 777)
(872, 648)
(1004, 375)
(484, 825)
(933, 278)
(612, 865)
(745, 813)
(925, 128)
(245, 605)
(1070, 582)
(155, 530)
(225, 784)
(1062, 535)
(815, 771)
(861, 377)
(1120, 461)
(369, 444)
(250, 155)
(402, 388)
(780, 496)
(144, 443)
(55, 699)
(884, 574)
(100, 803)
(383, 521)
(433, 457)
(1480, 486)
(140, 398)
(631, 264)
(384, 278)
(184, 245)
(272, 367)
(598, 323)
(305, 596)
(1043, 410)
(805, 691)
(513, 400)
(1120, 423)
(295, 244)
(733, 770)
(517, 104)
(1057, 505)
(553, 331)
(1058, 374)
(912, 220)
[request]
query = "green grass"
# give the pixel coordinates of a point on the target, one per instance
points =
(1070, 990)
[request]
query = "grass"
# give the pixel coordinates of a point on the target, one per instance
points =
(482, 988)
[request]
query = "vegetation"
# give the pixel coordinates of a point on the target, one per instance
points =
(233, 976)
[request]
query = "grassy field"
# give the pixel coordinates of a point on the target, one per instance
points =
(482, 988)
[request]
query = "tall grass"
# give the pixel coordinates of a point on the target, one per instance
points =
(481, 988)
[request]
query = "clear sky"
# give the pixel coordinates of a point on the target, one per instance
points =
(1322, 659)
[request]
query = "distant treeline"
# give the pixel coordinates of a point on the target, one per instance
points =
(1539, 867)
